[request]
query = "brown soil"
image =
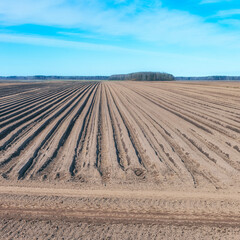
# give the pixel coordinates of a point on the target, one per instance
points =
(120, 160)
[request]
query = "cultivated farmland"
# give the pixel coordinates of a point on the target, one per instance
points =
(154, 152)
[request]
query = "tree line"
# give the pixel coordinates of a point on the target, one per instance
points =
(143, 76)
(210, 78)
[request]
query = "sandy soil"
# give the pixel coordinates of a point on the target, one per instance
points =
(120, 160)
(31, 213)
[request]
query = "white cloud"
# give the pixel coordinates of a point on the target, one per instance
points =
(213, 1)
(43, 12)
(152, 24)
(230, 22)
(46, 41)
(228, 13)
(53, 42)
(120, 1)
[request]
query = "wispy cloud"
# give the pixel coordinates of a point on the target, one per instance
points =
(141, 20)
(228, 13)
(213, 1)
(44, 41)
(53, 42)
(230, 22)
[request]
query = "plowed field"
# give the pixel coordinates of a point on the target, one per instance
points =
(173, 137)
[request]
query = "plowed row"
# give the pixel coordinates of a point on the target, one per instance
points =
(173, 135)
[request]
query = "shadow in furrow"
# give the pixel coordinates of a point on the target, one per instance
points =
(45, 114)
(68, 130)
(84, 127)
(8, 130)
(42, 127)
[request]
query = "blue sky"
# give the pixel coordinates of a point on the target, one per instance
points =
(97, 37)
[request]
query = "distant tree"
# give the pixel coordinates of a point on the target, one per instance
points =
(210, 78)
(143, 76)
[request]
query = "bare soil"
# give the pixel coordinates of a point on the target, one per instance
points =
(120, 160)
